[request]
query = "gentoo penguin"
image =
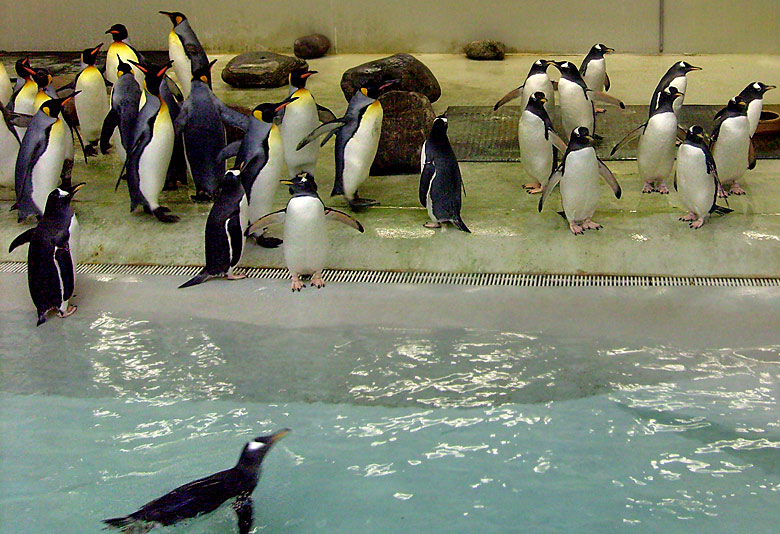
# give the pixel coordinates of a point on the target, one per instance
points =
(539, 143)
(731, 146)
(225, 227)
(537, 80)
(205, 495)
(697, 179)
(23, 99)
(753, 95)
(51, 262)
(656, 144)
(147, 161)
(41, 158)
(675, 76)
(120, 49)
(9, 143)
(440, 179)
(594, 69)
(578, 175)
(185, 51)
(125, 102)
(357, 140)
(6, 89)
(200, 121)
(260, 156)
(92, 101)
(305, 235)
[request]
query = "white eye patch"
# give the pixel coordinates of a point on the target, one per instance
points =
(756, 86)
(62, 193)
(255, 445)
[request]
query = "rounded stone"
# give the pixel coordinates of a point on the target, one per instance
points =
(407, 120)
(260, 69)
(412, 73)
(311, 46)
(485, 50)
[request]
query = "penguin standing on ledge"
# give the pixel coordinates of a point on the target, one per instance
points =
(536, 81)
(677, 77)
(207, 494)
(92, 102)
(731, 146)
(120, 49)
(185, 51)
(125, 102)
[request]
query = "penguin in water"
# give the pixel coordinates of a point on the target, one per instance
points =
(6, 89)
(305, 235)
(731, 146)
(753, 95)
(200, 121)
(676, 76)
(185, 51)
(41, 158)
(594, 69)
(578, 175)
(147, 161)
(125, 103)
(205, 495)
(536, 81)
(440, 179)
(697, 179)
(657, 141)
(357, 140)
(538, 141)
(260, 156)
(225, 227)
(120, 49)
(51, 260)
(92, 102)
(9, 143)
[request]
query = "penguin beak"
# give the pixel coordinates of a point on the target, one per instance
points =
(285, 103)
(75, 188)
(286, 182)
(590, 138)
(691, 67)
(279, 435)
(608, 50)
(28, 70)
(69, 97)
(307, 74)
(112, 32)
(770, 87)
(97, 49)
(543, 100)
(388, 84)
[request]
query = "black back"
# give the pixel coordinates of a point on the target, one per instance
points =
(224, 237)
(681, 68)
(440, 175)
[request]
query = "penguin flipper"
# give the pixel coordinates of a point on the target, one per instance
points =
(230, 116)
(325, 115)
(751, 156)
(195, 280)
(327, 129)
(277, 217)
(552, 181)
(119, 522)
(557, 142)
(605, 173)
(343, 218)
(243, 509)
(604, 98)
(511, 95)
(460, 225)
(428, 171)
(720, 210)
(22, 238)
(607, 83)
(633, 134)
(229, 151)
(110, 124)
(71, 121)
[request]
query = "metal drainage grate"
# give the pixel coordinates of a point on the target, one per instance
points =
(395, 277)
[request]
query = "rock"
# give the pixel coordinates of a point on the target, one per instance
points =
(260, 69)
(414, 76)
(311, 46)
(485, 50)
(408, 117)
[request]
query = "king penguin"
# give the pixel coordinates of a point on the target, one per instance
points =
(9, 143)
(205, 495)
(753, 95)
(305, 235)
(6, 89)
(51, 261)
(185, 51)
(23, 99)
(731, 146)
(537, 80)
(120, 48)
(538, 142)
(578, 175)
(92, 101)
(676, 76)
(225, 227)
(593, 69)
(125, 103)
(440, 179)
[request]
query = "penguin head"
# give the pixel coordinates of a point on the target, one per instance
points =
(439, 127)
(668, 95)
(53, 106)
(267, 112)
(42, 77)
(537, 100)
(695, 134)
(684, 67)
(175, 16)
(598, 50)
(373, 88)
(23, 69)
(539, 67)
(59, 199)
(762, 88)
(123, 68)
(118, 32)
(253, 453)
(738, 105)
(580, 138)
(153, 74)
(230, 181)
(89, 55)
(204, 73)
(568, 69)
(303, 183)
(298, 77)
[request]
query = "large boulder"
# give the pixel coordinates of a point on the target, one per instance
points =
(408, 117)
(485, 50)
(260, 69)
(311, 46)
(412, 73)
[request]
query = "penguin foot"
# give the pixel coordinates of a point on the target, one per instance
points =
(296, 285)
(268, 242)
(590, 225)
(599, 110)
(662, 189)
(648, 188)
(432, 225)
(576, 229)
(688, 217)
(532, 185)
(201, 196)
(360, 204)
(91, 149)
(233, 276)
(698, 223)
(534, 190)
(722, 192)
(68, 312)
(317, 281)
(163, 216)
(736, 190)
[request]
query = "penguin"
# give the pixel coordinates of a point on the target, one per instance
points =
(696, 179)
(22, 76)
(125, 103)
(594, 69)
(51, 261)
(578, 175)
(23, 99)
(200, 121)
(731, 146)
(9, 143)
(41, 158)
(6, 89)
(305, 235)
(260, 156)
(185, 51)
(675, 76)
(538, 141)
(537, 80)
(171, 94)
(205, 495)
(120, 48)
(753, 95)
(225, 227)
(150, 154)
(357, 139)
(440, 179)
(658, 137)
(92, 101)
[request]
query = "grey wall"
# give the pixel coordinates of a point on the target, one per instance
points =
(695, 26)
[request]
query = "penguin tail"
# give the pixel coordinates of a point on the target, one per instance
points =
(197, 279)
(460, 225)
(41, 318)
(338, 188)
(563, 214)
(119, 522)
(14, 207)
(720, 210)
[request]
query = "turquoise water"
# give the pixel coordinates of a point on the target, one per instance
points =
(431, 430)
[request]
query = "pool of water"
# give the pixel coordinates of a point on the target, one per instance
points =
(497, 424)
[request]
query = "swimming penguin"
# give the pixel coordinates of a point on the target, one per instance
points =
(539, 143)
(41, 158)
(23, 99)
(120, 48)
(147, 161)
(578, 175)
(697, 179)
(537, 80)
(305, 235)
(440, 179)
(200, 121)
(125, 103)
(6, 89)
(731, 146)
(357, 140)
(205, 495)
(753, 95)
(185, 51)
(9, 143)
(594, 69)
(656, 144)
(675, 76)
(225, 227)
(92, 101)
(260, 156)
(51, 262)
